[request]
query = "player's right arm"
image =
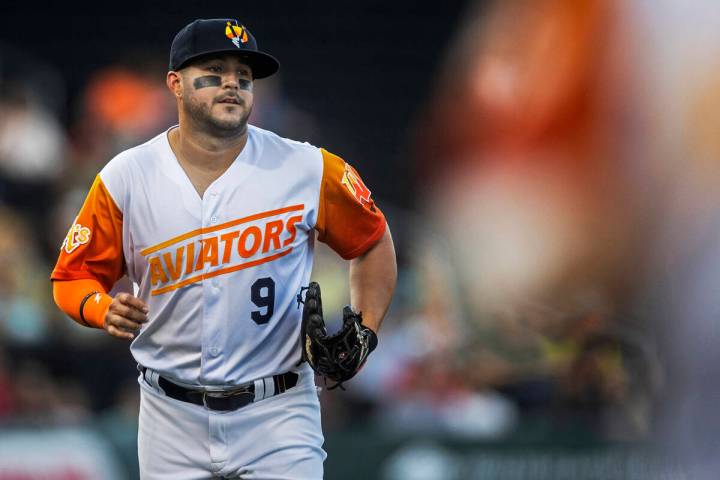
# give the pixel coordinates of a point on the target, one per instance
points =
(90, 262)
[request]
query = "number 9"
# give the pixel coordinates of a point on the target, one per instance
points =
(263, 301)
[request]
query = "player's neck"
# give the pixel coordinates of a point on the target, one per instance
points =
(203, 151)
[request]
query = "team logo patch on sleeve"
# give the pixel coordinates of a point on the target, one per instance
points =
(352, 181)
(78, 235)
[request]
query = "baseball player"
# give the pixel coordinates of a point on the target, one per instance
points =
(213, 221)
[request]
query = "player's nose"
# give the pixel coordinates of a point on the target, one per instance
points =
(234, 80)
(230, 81)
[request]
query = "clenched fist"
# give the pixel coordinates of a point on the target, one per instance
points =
(125, 316)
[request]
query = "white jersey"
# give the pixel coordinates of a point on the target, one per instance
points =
(220, 273)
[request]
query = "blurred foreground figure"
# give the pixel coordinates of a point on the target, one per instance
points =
(529, 143)
(563, 187)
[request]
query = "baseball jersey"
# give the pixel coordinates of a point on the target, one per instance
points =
(220, 273)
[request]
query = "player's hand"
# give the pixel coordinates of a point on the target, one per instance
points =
(125, 316)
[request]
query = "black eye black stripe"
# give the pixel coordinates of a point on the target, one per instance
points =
(207, 81)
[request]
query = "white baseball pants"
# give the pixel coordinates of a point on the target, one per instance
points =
(277, 438)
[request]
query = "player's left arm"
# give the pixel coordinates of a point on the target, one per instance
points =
(373, 276)
(352, 224)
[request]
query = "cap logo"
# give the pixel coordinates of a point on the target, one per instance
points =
(236, 33)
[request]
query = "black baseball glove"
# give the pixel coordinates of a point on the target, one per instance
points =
(340, 356)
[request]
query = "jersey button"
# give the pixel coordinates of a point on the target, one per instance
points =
(214, 351)
(213, 219)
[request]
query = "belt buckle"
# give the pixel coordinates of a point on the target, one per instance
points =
(245, 390)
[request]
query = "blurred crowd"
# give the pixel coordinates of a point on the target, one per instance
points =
(556, 274)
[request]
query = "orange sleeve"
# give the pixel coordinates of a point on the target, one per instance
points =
(92, 248)
(348, 219)
(83, 300)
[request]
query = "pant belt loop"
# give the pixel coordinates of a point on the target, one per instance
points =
(259, 389)
(269, 387)
(153, 378)
(156, 380)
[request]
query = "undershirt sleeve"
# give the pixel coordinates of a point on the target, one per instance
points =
(73, 295)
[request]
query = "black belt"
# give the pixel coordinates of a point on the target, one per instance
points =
(224, 400)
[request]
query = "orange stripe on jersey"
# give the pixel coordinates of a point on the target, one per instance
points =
(348, 219)
(221, 226)
(222, 271)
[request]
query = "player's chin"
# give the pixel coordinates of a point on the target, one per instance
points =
(230, 122)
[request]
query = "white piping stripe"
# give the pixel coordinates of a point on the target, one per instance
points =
(269, 387)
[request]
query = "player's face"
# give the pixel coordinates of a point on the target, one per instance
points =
(217, 94)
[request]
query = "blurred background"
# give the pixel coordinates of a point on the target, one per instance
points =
(550, 172)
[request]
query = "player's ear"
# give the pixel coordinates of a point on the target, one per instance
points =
(174, 83)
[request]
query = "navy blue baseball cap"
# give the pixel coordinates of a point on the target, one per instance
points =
(220, 35)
